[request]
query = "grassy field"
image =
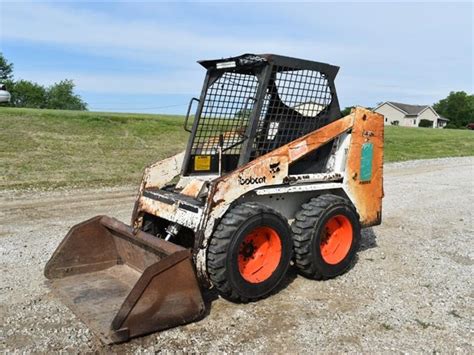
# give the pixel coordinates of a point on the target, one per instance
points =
(47, 148)
(406, 143)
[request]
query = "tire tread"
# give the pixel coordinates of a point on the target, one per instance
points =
(217, 250)
(302, 230)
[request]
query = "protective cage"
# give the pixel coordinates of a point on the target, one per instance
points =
(253, 104)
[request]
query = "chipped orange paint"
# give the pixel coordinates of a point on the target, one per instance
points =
(193, 189)
(157, 208)
(163, 171)
(156, 175)
(366, 196)
(170, 212)
(318, 138)
(230, 187)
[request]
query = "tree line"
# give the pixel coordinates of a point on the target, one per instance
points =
(25, 93)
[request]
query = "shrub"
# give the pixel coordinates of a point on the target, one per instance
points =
(61, 96)
(27, 94)
(425, 123)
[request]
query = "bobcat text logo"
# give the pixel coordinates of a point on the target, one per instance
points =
(251, 180)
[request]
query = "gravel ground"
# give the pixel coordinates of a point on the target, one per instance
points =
(411, 289)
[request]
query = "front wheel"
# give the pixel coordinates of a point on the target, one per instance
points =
(326, 235)
(249, 253)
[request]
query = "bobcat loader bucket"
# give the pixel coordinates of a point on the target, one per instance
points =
(122, 284)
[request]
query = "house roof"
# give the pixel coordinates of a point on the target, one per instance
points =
(443, 118)
(409, 109)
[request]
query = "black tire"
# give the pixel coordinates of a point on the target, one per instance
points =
(226, 247)
(309, 231)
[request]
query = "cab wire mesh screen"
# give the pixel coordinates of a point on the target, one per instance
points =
(296, 103)
(226, 111)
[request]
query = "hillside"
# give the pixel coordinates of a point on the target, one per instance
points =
(48, 148)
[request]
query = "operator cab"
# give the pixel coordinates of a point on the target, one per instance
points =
(252, 104)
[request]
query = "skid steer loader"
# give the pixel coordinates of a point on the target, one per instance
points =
(272, 175)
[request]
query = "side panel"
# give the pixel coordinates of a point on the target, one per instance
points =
(288, 200)
(162, 172)
(270, 169)
(363, 179)
(157, 175)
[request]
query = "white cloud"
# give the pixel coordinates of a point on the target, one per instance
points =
(173, 48)
(91, 31)
(386, 60)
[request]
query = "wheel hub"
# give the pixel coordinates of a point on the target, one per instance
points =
(336, 240)
(259, 254)
(247, 250)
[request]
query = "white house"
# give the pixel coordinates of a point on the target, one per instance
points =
(409, 115)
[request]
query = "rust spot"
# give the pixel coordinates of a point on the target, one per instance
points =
(368, 134)
(228, 187)
(194, 188)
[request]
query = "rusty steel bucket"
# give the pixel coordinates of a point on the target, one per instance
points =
(124, 284)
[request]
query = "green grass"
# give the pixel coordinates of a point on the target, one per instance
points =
(404, 143)
(49, 148)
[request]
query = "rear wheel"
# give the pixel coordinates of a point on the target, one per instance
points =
(326, 235)
(249, 252)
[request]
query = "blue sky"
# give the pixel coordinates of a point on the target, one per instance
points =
(141, 56)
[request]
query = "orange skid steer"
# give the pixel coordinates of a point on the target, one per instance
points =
(272, 175)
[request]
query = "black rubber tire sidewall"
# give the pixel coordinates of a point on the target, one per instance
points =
(318, 263)
(258, 290)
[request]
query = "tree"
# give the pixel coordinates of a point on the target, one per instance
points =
(61, 96)
(6, 69)
(27, 94)
(347, 111)
(243, 113)
(458, 107)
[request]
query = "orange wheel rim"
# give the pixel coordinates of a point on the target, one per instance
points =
(336, 239)
(259, 254)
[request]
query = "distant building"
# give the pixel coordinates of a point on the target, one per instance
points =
(409, 115)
